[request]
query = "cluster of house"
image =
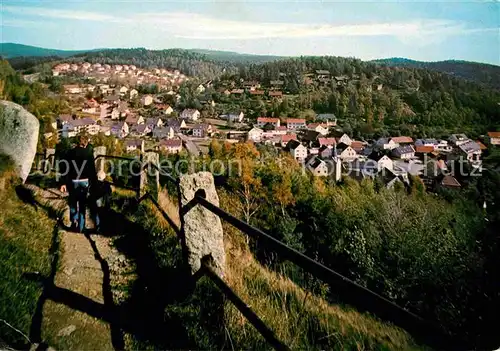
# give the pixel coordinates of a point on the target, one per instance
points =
(115, 118)
(328, 153)
(252, 88)
(103, 72)
(324, 77)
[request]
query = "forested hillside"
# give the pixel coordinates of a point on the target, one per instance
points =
(375, 100)
(434, 254)
(190, 63)
(10, 50)
(481, 73)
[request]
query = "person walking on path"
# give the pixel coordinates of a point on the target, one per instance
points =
(78, 177)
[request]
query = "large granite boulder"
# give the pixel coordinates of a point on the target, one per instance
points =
(202, 229)
(18, 136)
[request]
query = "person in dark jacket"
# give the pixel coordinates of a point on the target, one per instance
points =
(80, 174)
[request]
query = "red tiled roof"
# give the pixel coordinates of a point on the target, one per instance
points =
(424, 149)
(357, 145)
(314, 125)
(402, 139)
(295, 120)
(326, 141)
(494, 134)
(257, 92)
(287, 137)
(267, 119)
(281, 128)
(450, 181)
(275, 93)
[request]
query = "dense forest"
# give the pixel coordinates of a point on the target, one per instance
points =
(437, 256)
(488, 75)
(413, 101)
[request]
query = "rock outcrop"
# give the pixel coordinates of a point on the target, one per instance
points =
(18, 136)
(203, 229)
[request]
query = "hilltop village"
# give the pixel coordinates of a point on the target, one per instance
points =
(142, 108)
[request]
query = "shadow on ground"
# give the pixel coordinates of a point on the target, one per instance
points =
(165, 307)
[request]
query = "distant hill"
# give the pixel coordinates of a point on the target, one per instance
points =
(198, 60)
(481, 73)
(235, 57)
(11, 50)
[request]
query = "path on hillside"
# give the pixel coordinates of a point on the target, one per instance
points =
(88, 273)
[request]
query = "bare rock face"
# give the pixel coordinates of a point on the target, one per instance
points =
(203, 229)
(18, 136)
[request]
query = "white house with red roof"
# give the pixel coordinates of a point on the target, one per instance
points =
(295, 123)
(262, 121)
(494, 138)
(321, 128)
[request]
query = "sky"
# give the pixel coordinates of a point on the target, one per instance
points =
(427, 31)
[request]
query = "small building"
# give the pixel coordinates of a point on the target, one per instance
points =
(133, 93)
(358, 146)
(155, 122)
(257, 92)
(255, 134)
(381, 162)
(262, 121)
(166, 109)
(285, 138)
(146, 100)
(443, 146)
(426, 142)
(447, 182)
(344, 139)
(190, 114)
(329, 142)
(77, 126)
(297, 150)
(402, 140)
(471, 150)
(405, 152)
(346, 152)
(140, 130)
(132, 145)
(165, 132)
(120, 129)
(176, 123)
(133, 119)
(171, 146)
(317, 167)
(459, 139)
(90, 106)
(494, 138)
(202, 130)
(123, 90)
(295, 123)
(233, 117)
(275, 94)
(422, 151)
(321, 128)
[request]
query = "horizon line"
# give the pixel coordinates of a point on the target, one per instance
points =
(250, 54)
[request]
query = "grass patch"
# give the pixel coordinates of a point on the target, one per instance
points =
(300, 319)
(25, 239)
(206, 320)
